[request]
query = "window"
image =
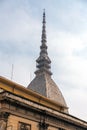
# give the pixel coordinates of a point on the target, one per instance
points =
(24, 126)
(61, 129)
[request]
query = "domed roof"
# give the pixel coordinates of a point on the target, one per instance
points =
(43, 83)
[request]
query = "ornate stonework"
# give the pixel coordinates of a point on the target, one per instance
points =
(3, 120)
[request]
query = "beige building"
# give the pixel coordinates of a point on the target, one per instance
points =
(40, 106)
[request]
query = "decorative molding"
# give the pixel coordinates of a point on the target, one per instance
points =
(4, 116)
(3, 120)
(43, 125)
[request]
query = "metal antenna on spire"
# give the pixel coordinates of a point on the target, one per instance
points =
(12, 69)
(43, 10)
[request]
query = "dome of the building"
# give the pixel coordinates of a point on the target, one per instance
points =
(44, 85)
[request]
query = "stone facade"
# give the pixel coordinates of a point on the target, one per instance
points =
(20, 113)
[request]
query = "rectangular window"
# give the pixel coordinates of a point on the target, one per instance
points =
(61, 129)
(24, 126)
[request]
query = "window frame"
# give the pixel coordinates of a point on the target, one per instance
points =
(25, 124)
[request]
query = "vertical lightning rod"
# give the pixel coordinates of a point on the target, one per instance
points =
(12, 69)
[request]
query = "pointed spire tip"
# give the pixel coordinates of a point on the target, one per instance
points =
(44, 10)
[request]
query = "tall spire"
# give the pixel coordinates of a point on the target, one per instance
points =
(43, 62)
(43, 40)
(43, 83)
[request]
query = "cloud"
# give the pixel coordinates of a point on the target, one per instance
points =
(82, 53)
(17, 24)
(79, 100)
(69, 65)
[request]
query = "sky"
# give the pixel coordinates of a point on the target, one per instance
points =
(66, 29)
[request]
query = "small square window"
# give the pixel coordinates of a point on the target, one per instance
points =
(24, 126)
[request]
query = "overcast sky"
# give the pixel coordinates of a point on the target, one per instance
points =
(20, 39)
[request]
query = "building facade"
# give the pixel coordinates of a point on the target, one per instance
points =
(40, 106)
